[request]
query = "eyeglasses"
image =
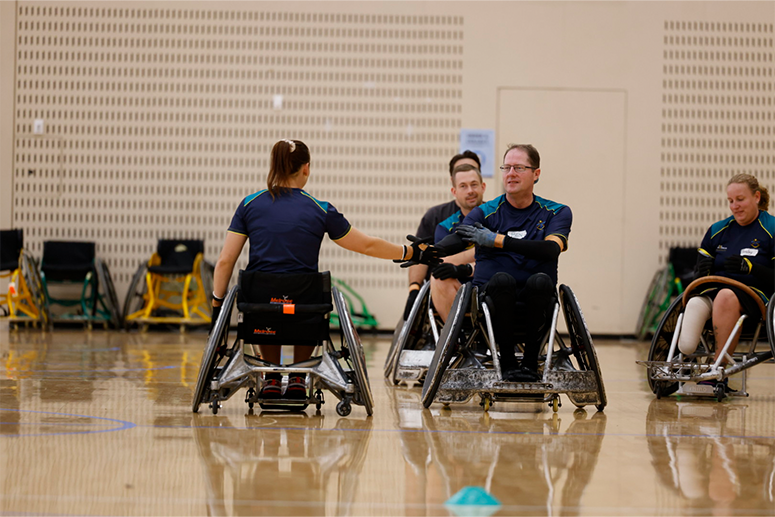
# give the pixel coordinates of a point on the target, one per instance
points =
(518, 168)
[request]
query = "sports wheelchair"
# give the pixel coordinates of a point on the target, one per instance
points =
(414, 341)
(670, 371)
(466, 361)
(173, 287)
(25, 299)
(283, 309)
(79, 282)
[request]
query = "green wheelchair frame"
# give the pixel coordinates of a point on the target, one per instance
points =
(361, 317)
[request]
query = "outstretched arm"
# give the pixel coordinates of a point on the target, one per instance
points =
(546, 250)
(359, 242)
(232, 247)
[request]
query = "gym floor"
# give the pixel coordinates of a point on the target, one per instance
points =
(100, 423)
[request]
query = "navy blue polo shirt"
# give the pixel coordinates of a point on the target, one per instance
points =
(285, 233)
(727, 238)
(448, 225)
(536, 222)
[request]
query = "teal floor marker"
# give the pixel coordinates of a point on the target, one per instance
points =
(473, 501)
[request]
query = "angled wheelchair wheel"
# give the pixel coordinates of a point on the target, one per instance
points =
(581, 341)
(404, 336)
(108, 293)
(135, 297)
(771, 324)
(355, 346)
(34, 282)
(215, 350)
(447, 344)
(656, 295)
(660, 346)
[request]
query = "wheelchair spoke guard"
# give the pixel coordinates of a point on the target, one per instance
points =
(406, 331)
(355, 346)
(447, 344)
(660, 347)
(581, 341)
(215, 349)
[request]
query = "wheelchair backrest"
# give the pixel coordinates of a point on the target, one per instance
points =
(67, 260)
(179, 253)
(11, 243)
(286, 308)
(683, 260)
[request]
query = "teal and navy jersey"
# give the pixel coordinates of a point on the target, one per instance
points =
(536, 222)
(285, 232)
(754, 242)
(448, 225)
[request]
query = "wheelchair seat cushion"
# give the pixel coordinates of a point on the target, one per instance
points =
(63, 260)
(287, 309)
(177, 256)
(11, 243)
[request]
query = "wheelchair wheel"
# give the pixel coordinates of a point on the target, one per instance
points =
(447, 345)
(215, 351)
(660, 347)
(135, 297)
(109, 293)
(409, 330)
(387, 369)
(771, 324)
(34, 282)
(355, 346)
(581, 341)
(656, 295)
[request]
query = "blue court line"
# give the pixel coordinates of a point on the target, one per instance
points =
(124, 424)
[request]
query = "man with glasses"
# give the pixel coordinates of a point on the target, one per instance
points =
(436, 214)
(519, 237)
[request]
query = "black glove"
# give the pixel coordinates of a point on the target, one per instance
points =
(703, 266)
(422, 253)
(477, 234)
(737, 265)
(410, 302)
(446, 270)
(216, 313)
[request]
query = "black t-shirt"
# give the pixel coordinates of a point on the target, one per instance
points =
(433, 217)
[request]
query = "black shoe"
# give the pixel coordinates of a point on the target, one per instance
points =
(521, 375)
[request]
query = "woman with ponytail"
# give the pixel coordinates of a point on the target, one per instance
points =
(285, 226)
(740, 247)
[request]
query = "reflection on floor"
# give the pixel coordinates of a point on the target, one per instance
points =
(100, 423)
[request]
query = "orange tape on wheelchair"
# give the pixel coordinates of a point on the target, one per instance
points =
(289, 308)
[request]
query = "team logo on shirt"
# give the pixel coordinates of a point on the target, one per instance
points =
(721, 248)
(266, 331)
(541, 225)
(756, 243)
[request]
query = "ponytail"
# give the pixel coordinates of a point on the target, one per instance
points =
(286, 160)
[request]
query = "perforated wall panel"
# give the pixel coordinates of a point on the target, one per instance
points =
(718, 120)
(157, 122)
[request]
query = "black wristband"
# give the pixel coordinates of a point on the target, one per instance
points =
(217, 299)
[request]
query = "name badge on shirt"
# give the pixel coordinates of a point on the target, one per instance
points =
(749, 252)
(517, 235)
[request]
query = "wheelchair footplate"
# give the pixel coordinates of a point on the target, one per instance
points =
(459, 385)
(413, 364)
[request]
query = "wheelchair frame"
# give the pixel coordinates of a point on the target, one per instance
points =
(142, 301)
(459, 371)
(409, 357)
(669, 371)
(224, 370)
(27, 302)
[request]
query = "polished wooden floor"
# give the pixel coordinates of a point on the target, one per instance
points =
(99, 423)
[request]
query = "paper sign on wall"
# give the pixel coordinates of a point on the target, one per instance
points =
(482, 142)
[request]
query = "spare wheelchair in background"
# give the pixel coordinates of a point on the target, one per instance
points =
(283, 309)
(174, 287)
(670, 371)
(414, 341)
(25, 300)
(466, 361)
(79, 284)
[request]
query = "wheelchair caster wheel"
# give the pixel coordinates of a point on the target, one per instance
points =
(486, 403)
(720, 392)
(343, 408)
(555, 404)
(319, 400)
(215, 407)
